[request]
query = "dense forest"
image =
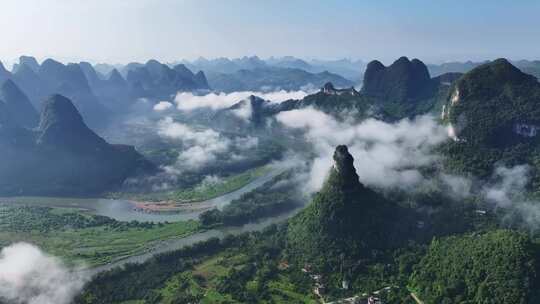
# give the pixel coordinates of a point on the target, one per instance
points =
(499, 266)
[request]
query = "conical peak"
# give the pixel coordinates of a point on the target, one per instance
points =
(343, 160)
(344, 174)
(59, 110)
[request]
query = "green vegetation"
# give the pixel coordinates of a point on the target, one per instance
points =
(276, 196)
(495, 267)
(485, 107)
(348, 233)
(77, 236)
(205, 190)
(345, 219)
(249, 268)
(237, 269)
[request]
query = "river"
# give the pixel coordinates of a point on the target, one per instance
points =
(123, 210)
(175, 244)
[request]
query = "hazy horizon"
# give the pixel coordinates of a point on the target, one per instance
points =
(137, 30)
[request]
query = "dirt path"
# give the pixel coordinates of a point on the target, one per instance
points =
(416, 298)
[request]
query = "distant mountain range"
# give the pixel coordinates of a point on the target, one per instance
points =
(403, 89)
(273, 79)
(97, 96)
(349, 69)
(286, 73)
(255, 74)
(526, 66)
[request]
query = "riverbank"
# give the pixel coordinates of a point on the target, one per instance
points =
(102, 231)
(179, 243)
(84, 238)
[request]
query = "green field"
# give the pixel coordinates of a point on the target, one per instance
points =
(80, 237)
(203, 191)
(203, 283)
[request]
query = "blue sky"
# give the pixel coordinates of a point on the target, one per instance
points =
(136, 30)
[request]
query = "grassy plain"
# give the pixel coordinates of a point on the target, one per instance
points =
(81, 237)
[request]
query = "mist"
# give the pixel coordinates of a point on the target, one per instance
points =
(28, 275)
(202, 146)
(215, 101)
(507, 191)
(387, 155)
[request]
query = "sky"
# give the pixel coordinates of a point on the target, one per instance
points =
(121, 31)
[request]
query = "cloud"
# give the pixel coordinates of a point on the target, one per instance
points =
(244, 111)
(507, 191)
(27, 275)
(386, 154)
(188, 101)
(201, 147)
(509, 184)
(162, 106)
(460, 187)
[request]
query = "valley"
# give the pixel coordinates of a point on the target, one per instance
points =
(266, 152)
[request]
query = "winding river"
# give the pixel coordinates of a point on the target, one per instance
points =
(123, 210)
(175, 244)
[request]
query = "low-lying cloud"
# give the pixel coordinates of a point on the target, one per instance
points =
(201, 147)
(29, 276)
(507, 191)
(391, 155)
(386, 154)
(215, 101)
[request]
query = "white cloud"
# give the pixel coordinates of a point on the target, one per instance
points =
(244, 111)
(386, 154)
(508, 192)
(162, 106)
(510, 183)
(460, 187)
(27, 275)
(188, 101)
(201, 146)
